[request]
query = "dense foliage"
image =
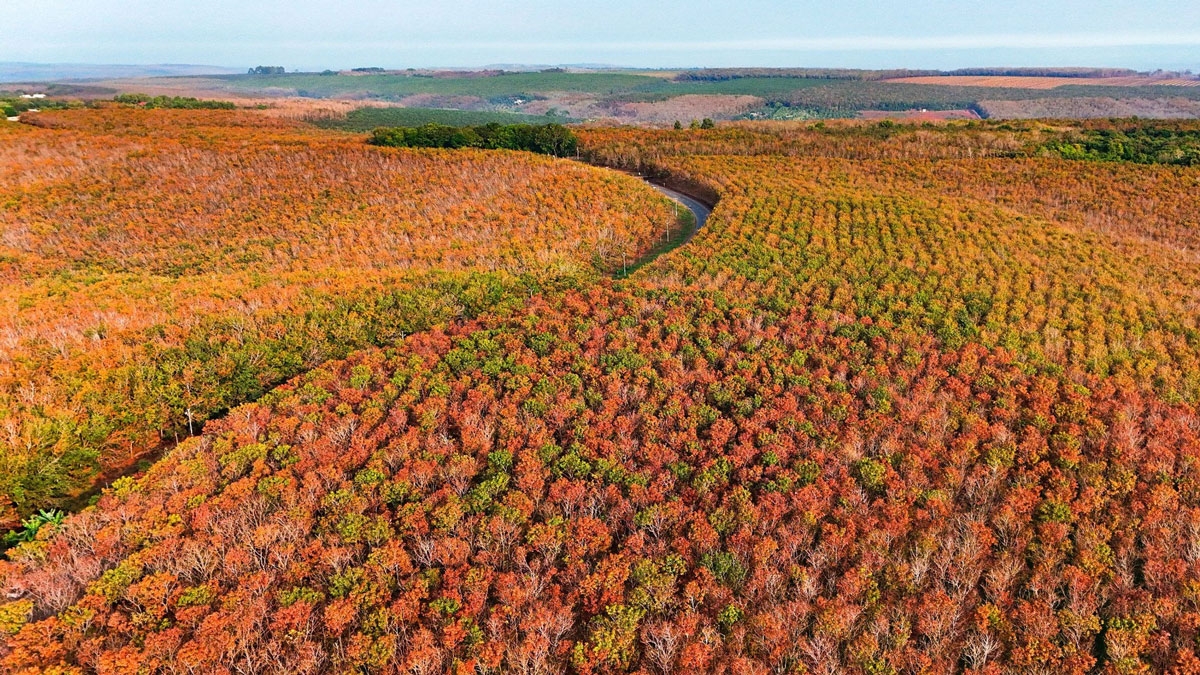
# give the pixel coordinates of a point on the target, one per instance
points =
(611, 481)
(546, 139)
(175, 102)
(12, 106)
(160, 267)
(1084, 267)
(1141, 144)
(368, 119)
(917, 399)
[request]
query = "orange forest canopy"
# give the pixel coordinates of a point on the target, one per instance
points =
(915, 399)
(162, 266)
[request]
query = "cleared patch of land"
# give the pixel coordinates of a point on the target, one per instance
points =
(1092, 107)
(687, 107)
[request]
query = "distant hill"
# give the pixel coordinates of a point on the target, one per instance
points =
(35, 72)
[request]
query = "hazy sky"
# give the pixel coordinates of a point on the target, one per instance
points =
(330, 34)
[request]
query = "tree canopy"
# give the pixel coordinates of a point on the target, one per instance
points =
(546, 139)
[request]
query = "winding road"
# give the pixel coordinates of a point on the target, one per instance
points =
(698, 208)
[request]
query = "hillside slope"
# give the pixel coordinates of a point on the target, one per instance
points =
(158, 267)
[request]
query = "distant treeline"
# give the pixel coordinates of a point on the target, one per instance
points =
(13, 105)
(180, 102)
(725, 74)
(847, 97)
(546, 139)
(366, 119)
(1141, 145)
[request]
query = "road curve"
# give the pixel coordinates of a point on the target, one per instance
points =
(698, 209)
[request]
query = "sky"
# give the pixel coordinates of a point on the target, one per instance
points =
(312, 35)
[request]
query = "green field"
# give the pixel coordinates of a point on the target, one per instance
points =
(399, 86)
(366, 119)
